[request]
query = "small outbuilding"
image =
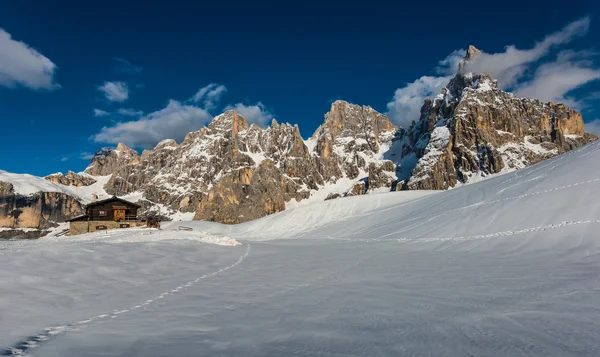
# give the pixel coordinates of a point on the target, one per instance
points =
(106, 214)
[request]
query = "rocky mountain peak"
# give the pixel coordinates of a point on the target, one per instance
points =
(473, 129)
(471, 56)
(71, 179)
(472, 53)
(345, 119)
(229, 121)
(167, 143)
(106, 160)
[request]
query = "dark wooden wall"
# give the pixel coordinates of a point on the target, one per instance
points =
(93, 212)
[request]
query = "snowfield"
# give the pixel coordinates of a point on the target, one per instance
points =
(505, 267)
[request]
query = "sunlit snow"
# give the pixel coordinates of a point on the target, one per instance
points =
(504, 267)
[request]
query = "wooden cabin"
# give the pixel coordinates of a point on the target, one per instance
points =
(110, 213)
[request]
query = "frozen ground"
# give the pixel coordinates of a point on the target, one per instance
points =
(505, 267)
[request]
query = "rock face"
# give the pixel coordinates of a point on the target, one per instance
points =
(245, 195)
(40, 210)
(351, 143)
(71, 179)
(106, 160)
(474, 129)
(232, 172)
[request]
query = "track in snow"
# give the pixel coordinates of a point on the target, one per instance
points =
(501, 234)
(21, 348)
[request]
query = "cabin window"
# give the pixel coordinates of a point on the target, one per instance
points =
(100, 227)
(124, 225)
(102, 213)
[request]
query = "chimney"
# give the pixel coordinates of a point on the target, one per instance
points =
(94, 197)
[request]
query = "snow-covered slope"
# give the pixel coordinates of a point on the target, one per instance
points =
(504, 267)
(25, 184)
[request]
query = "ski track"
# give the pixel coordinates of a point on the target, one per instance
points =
(500, 234)
(22, 347)
(553, 163)
(475, 205)
(479, 204)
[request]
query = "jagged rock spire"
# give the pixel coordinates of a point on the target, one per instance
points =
(471, 56)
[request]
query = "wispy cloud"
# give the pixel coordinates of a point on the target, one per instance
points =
(174, 122)
(551, 81)
(100, 113)
(64, 158)
(210, 95)
(124, 66)
(257, 114)
(23, 65)
(85, 155)
(115, 91)
(593, 127)
(408, 100)
(130, 112)
(509, 66)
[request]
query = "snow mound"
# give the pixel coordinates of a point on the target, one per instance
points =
(146, 235)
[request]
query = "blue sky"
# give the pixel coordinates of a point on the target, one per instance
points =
(77, 76)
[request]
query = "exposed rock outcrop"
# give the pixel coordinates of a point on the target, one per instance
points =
(475, 129)
(246, 195)
(107, 160)
(206, 167)
(40, 210)
(71, 179)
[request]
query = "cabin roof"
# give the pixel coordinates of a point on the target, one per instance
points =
(78, 218)
(115, 199)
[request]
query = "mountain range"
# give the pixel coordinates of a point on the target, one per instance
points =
(233, 172)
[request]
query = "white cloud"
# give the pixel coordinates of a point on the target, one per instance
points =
(408, 100)
(86, 155)
(100, 113)
(115, 91)
(209, 95)
(550, 81)
(508, 66)
(64, 158)
(257, 114)
(130, 112)
(553, 81)
(449, 65)
(22, 65)
(593, 127)
(174, 122)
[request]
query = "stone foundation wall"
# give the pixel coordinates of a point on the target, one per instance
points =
(92, 226)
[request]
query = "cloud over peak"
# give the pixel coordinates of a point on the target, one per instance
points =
(209, 95)
(526, 72)
(175, 121)
(508, 66)
(23, 65)
(115, 91)
(254, 114)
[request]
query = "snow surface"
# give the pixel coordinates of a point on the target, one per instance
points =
(504, 267)
(26, 185)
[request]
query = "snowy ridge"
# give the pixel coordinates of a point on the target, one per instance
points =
(25, 184)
